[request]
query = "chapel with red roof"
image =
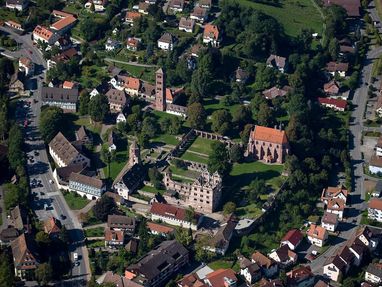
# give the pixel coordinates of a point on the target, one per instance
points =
(268, 145)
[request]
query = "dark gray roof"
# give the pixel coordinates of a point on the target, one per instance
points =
(59, 95)
(167, 253)
(375, 269)
(121, 221)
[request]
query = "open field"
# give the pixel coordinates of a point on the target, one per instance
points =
(294, 15)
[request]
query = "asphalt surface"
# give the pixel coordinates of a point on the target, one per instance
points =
(48, 200)
(357, 205)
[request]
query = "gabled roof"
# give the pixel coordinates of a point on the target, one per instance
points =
(155, 227)
(331, 87)
(285, 254)
(63, 148)
(262, 260)
(317, 231)
(186, 23)
(223, 236)
(274, 92)
(329, 218)
(351, 6)
(276, 60)
(339, 103)
(375, 269)
(43, 32)
(114, 235)
(59, 95)
(375, 161)
(294, 236)
(211, 31)
(63, 23)
(375, 203)
(336, 204)
(167, 38)
(131, 15)
(123, 221)
(299, 274)
(52, 225)
(337, 262)
(132, 83)
(168, 210)
(266, 134)
(221, 277)
(337, 67)
(116, 97)
(24, 252)
(199, 12)
(86, 180)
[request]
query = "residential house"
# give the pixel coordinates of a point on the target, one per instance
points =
(375, 209)
(91, 187)
(221, 277)
(117, 81)
(186, 25)
(143, 8)
(116, 280)
(19, 219)
(277, 62)
(44, 35)
(329, 221)
(119, 200)
(334, 268)
(61, 175)
(249, 270)
(334, 104)
(112, 45)
(219, 243)
(7, 235)
(83, 136)
(132, 86)
(19, 5)
(322, 283)
(378, 106)
(199, 14)
(334, 68)
(64, 153)
(120, 118)
(207, 4)
(114, 238)
(267, 144)
(52, 227)
(196, 279)
(132, 246)
(317, 235)
(133, 43)
(375, 164)
(176, 6)
(174, 215)
(332, 192)
(241, 76)
(159, 229)
(284, 256)
(369, 237)
(58, 97)
(332, 88)
(25, 257)
(378, 148)
(17, 27)
(378, 188)
(293, 238)
(300, 277)
(159, 264)
(99, 5)
(131, 16)
(166, 42)
(16, 83)
(268, 266)
(275, 92)
(122, 222)
(373, 273)
(270, 283)
(211, 35)
(336, 206)
(358, 248)
(27, 66)
(63, 57)
(117, 100)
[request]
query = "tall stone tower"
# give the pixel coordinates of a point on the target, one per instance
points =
(134, 154)
(160, 90)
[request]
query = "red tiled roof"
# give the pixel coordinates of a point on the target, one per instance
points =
(168, 210)
(64, 22)
(339, 103)
(52, 225)
(68, 85)
(375, 203)
(42, 32)
(131, 16)
(211, 31)
(269, 135)
(294, 236)
(316, 231)
(155, 227)
(336, 204)
(132, 83)
(337, 67)
(114, 235)
(218, 277)
(331, 87)
(61, 14)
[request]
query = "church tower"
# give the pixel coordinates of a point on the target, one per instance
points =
(134, 154)
(160, 90)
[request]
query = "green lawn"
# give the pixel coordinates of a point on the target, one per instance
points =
(212, 105)
(167, 139)
(94, 232)
(184, 172)
(249, 211)
(94, 127)
(294, 15)
(182, 179)
(218, 264)
(95, 243)
(201, 145)
(75, 201)
(144, 73)
(152, 189)
(117, 165)
(92, 76)
(194, 157)
(6, 14)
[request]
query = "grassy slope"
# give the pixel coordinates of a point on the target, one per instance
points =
(75, 202)
(294, 15)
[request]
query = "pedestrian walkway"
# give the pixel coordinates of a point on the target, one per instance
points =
(85, 209)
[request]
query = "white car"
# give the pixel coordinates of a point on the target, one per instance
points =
(50, 181)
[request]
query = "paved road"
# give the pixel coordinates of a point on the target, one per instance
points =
(51, 201)
(129, 63)
(357, 196)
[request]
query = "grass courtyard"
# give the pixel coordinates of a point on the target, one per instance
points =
(201, 145)
(117, 164)
(75, 201)
(94, 232)
(194, 157)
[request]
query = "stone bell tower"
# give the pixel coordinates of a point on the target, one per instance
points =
(160, 90)
(134, 154)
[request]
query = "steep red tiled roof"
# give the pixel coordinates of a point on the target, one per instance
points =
(339, 103)
(211, 31)
(337, 67)
(132, 83)
(64, 22)
(336, 204)
(375, 203)
(294, 236)
(269, 135)
(114, 235)
(218, 277)
(316, 231)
